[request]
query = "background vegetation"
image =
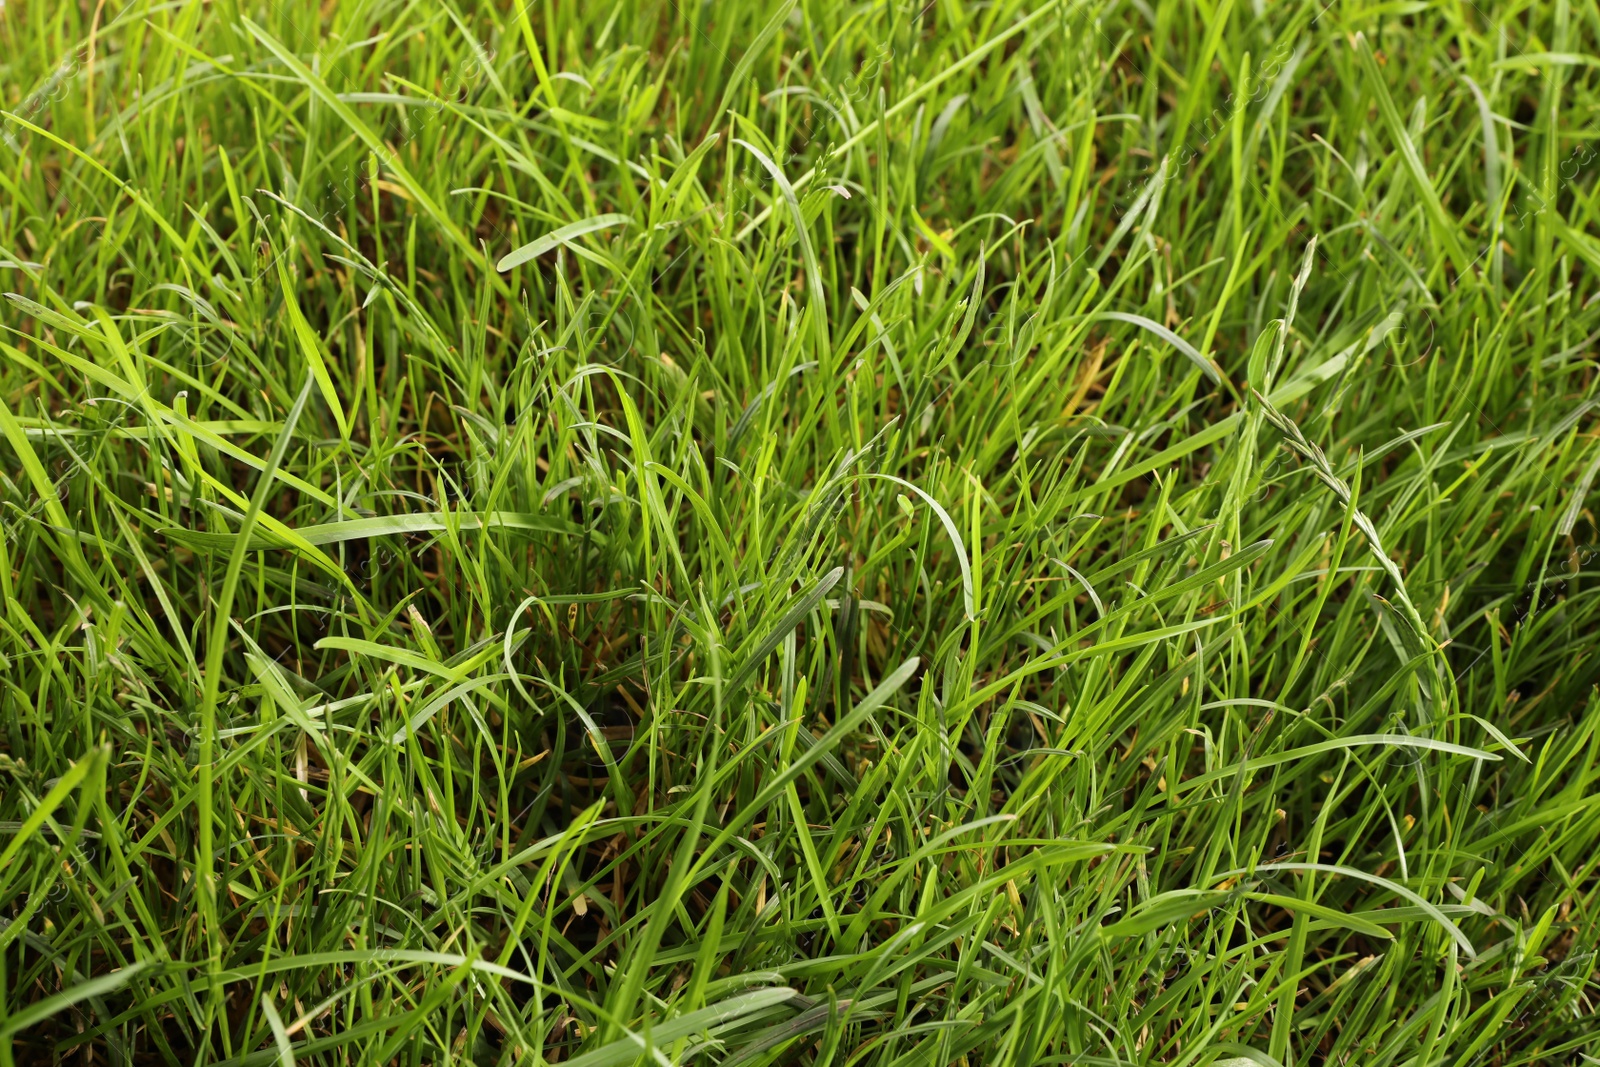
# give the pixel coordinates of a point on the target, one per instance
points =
(960, 533)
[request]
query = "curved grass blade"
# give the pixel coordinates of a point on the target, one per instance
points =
(565, 235)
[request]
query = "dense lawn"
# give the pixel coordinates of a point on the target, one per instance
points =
(1008, 533)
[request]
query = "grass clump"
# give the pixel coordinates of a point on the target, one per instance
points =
(1010, 533)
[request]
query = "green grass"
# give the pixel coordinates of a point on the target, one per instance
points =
(998, 533)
